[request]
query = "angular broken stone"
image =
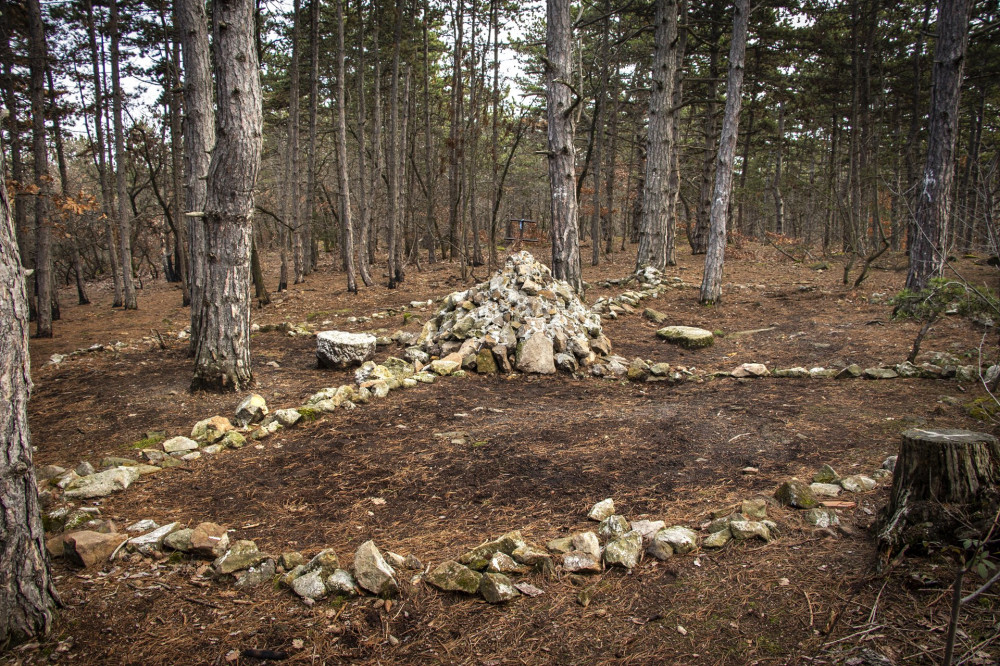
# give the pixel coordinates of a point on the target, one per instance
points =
(479, 557)
(796, 495)
(587, 542)
(342, 584)
(822, 517)
(151, 542)
(326, 562)
(532, 557)
(340, 349)
(750, 370)
(603, 509)
(211, 430)
(858, 483)
(372, 572)
(287, 417)
(754, 508)
(647, 528)
(576, 561)
(748, 529)
(88, 548)
(612, 527)
(310, 585)
(242, 555)
(680, 539)
(252, 409)
(451, 576)
(825, 489)
(560, 545)
(101, 484)
(257, 575)
(624, 551)
(497, 588)
(179, 540)
(826, 474)
(504, 563)
(175, 444)
(717, 539)
(208, 540)
(536, 355)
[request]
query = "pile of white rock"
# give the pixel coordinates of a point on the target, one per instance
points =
(523, 318)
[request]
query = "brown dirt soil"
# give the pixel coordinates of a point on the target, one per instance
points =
(539, 452)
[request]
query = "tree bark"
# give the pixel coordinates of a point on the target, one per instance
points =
(364, 206)
(346, 226)
(659, 152)
(561, 152)
(711, 286)
(779, 201)
(107, 193)
(222, 355)
(392, 152)
(175, 99)
(310, 211)
(943, 479)
(293, 148)
(27, 595)
(199, 139)
(38, 57)
(456, 136)
(928, 253)
(124, 211)
(698, 237)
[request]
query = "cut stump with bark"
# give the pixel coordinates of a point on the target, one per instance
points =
(944, 489)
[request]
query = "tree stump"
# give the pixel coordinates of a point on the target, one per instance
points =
(944, 488)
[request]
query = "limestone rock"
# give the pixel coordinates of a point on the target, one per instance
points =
(257, 575)
(880, 373)
(88, 548)
(251, 409)
(532, 557)
(142, 526)
(536, 355)
(46, 472)
(151, 542)
(291, 559)
(754, 508)
(340, 349)
(822, 517)
(497, 588)
(179, 540)
(86, 469)
(101, 484)
(853, 371)
(485, 363)
(858, 483)
(602, 510)
(688, 337)
(232, 440)
(561, 545)
(654, 316)
(342, 584)
(826, 474)
(576, 561)
(889, 463)
(444, 368)
(748, 529)
(681, 540)
(211, 430)
(612, 527)
(792, 373)
(242, 555)
(624, 551)
(717, 539)
(208, 540)
(451, 576)
(586, 542)
(750, 370)
(825, 489)
(310, 585)
(479, 557)
(326, 562)
(796, 495)
(287, 417)
(372, 572)
(504, 563)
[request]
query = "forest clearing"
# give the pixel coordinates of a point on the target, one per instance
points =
(534, 453)
(481, 332)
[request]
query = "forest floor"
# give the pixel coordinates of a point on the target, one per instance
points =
(541, 451)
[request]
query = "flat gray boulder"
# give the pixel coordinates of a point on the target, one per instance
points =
(102, 484)
(536, 355)
(688, 337)
(340, 349)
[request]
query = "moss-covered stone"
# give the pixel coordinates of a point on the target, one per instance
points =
(796, 494)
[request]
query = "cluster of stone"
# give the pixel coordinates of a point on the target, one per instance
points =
(322, 576)
(827, 483)
(522, 318)
(650, 284)
(746, 521)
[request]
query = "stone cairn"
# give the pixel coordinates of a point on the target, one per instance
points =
(521, 319)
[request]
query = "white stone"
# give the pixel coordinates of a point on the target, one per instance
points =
(102, 484)
(340, 349)
(175, 444)
(602, 510)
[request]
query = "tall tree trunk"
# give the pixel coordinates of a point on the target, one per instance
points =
(199, 140)
(674, 182)
(310, 211)
(222, 356)
(107, 192)
(711, 286)
(347, 228)
(561, 152)
(298, 248)
(927, 254)
(913, 136)
(175, 99)
(124, 211)
(455, 135)
(27, 594)
(38, 62)
(257, 273)
(16, 162)
(779, 201)
(364, 206)
(371, 237)
(600, 113)
(74, 242)
(392, 153)
(659, 152)
(429, 222)
(699, 234)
